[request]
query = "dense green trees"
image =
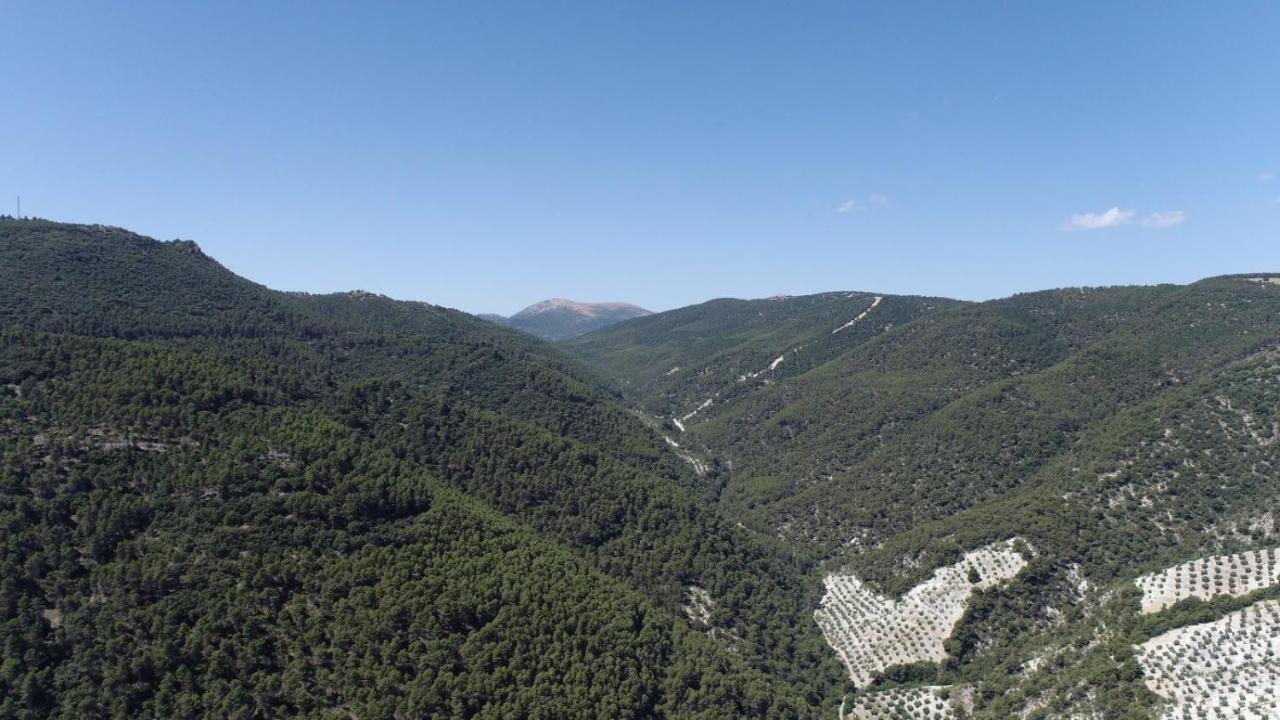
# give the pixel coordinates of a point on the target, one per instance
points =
(220, 500)
(182, 540)
(1117, 430)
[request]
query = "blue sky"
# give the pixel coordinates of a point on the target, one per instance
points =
(487, 155)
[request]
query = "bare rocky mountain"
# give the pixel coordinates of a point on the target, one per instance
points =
(558, 318)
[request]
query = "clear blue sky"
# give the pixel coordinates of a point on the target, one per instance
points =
(485, 156)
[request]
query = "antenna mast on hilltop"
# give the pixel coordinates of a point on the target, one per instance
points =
(19, 207)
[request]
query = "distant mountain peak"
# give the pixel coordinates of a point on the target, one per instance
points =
(560, 318)
(584, 309)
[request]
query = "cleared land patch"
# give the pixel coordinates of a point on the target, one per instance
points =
(1228, 668)
(871, 632)
(699, 605)
(932, 702)
(1205, 578)
(860, 316)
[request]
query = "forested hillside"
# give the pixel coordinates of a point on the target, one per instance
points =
(219, 499)
(1109, 429)
(675, 360)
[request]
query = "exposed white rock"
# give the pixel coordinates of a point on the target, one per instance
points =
(689, 415)
(700, 467)
(860, 316)
(698, 604)
(772, 366)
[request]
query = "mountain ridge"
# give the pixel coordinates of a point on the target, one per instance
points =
(137, 375)
(207, 486)
(1107, 428)
(561, 318)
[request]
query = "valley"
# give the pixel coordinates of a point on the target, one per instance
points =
(850, 505)
(666, 361)
(1101, 426)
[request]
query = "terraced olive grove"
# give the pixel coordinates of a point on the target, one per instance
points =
(1121, 432)
(1228, 668)
(871, 633)
(925, 703)
(1206, 578)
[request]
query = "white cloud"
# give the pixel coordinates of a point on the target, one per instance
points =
(1163, 219)
(1115, 217)
(1266, 177)
(874, 200)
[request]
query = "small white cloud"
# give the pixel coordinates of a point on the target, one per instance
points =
(1266, 177)
(1163, 219)
(874, 200)
(1115, 217)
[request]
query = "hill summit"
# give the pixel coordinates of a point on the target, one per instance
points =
(559, 318)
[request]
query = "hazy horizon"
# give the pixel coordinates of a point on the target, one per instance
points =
(598, 301)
